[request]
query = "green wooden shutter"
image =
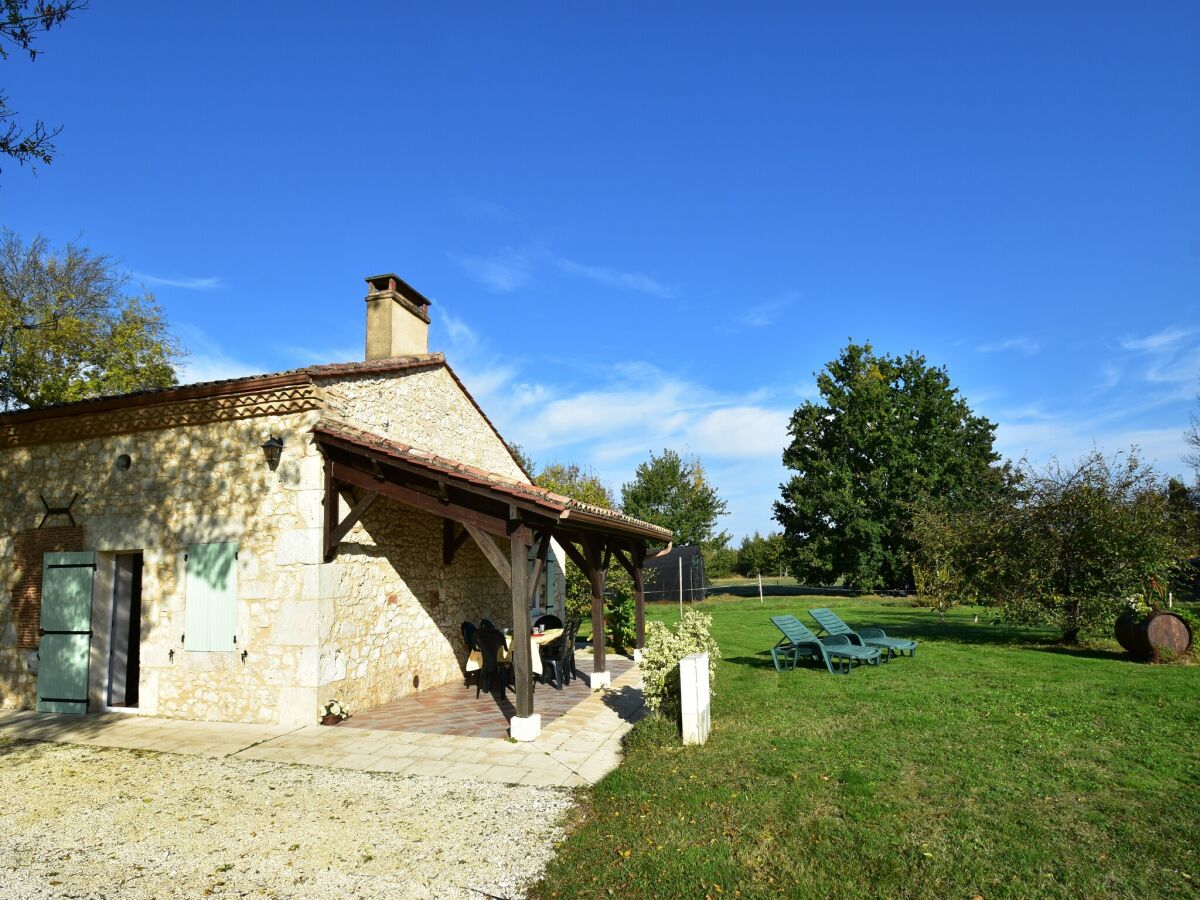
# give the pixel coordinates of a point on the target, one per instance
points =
(210, 613)
(551, 570)
(66, 632)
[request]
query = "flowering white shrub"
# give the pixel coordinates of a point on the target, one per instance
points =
(665, 647)
(335, 708)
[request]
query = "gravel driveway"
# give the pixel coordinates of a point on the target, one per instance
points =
(80, 821)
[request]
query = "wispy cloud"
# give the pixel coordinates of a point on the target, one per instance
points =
(632, 281)
(1167, 360)
(515, 267)
(1018, 344)
(1166, 339)
(320, 355)
(504, 271)
(1069, 437)
(208, 362)
(611, 420)
(761, 315)
(208, 283)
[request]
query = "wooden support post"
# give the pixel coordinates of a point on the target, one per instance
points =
(593, 553)
(525, 726)
(639, 597)
(633, 565)
(332, 502)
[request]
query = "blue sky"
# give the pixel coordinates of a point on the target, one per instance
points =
(647, 225)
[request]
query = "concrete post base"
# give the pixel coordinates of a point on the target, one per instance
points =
(694, 698)
(637, 656)
(601, 680)
(525, 728)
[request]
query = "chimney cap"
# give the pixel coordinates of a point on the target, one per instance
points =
(390, 281)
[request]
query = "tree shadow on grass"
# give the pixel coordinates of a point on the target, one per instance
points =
(958, 632)
(765, 662)
(1083, 652)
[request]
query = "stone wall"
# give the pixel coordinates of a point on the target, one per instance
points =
(185, 485)
(423, 408)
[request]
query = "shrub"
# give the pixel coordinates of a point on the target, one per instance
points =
(619, 615)
(665, 647)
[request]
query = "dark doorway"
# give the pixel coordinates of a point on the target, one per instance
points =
(126, 639)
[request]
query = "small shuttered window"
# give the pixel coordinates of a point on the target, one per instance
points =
(211, 601)
(543, 597)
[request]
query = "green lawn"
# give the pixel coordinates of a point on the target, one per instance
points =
(995, 763)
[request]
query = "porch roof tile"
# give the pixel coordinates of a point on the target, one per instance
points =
(346, 433)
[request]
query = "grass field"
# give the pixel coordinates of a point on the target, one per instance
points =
(995, 763)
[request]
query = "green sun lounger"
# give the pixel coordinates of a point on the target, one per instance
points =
(798, 641)
(867, 637)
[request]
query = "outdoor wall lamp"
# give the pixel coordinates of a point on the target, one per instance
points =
(273, 449)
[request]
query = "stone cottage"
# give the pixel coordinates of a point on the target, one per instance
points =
(242, 550)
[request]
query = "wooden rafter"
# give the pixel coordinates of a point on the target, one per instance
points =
(493, 553)
(343, 474)
(452, 541)
(334, 536)
(576, 557)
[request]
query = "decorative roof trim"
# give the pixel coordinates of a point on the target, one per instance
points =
(81, 424)
(229, 387)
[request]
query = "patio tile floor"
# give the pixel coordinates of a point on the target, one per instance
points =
(453, 709)
(574, 748)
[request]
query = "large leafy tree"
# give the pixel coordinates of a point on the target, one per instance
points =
(1072, 546)
(673, 491)
(21, 21)
(576, 483)
(1184, 505)
(889, 433)
(70, 331)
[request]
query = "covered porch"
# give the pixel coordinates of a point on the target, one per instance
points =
(455, 708)
(513, 524)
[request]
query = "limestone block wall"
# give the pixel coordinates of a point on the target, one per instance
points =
(423, 408)
(391, 613)
(192, 484)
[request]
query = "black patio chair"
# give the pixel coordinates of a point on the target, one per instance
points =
(558, 657)
(468, 633)
(490, 642)
(549, 621)
(486, 623)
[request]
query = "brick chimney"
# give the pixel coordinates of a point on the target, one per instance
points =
(397, 318)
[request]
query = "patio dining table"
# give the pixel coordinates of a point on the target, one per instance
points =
(475, 659)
